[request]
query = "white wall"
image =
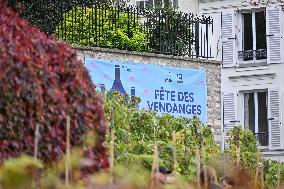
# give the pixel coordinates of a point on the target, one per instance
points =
(232, 81)
(236, 79)
(188, 6)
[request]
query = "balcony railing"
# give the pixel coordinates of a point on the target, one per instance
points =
(250, 55)
(262, 138)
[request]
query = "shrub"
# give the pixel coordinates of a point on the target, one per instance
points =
(41, 83)
(102, 26)
(245, 141)
(273, 170)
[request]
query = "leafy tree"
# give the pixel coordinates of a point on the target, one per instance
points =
(41, 83)
(44, 14)
(170, 31)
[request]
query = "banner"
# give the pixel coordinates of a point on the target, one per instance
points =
(177, 91)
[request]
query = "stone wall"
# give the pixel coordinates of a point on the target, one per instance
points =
(213, 70)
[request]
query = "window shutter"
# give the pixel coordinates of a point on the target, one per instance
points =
(274, 120)
(175, 4)
(274, 33)
(229, 114)
(228, 38)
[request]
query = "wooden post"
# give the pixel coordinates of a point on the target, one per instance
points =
(67, 162)
(174, 152)
(278, 174)
(238, 154)
(37, 135)
(256, 169)
(104, 94)
(36, 142)
(197, 162)
(155, 166)
(111, 153)
(262, 174)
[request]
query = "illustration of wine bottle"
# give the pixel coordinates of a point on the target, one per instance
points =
(117, 85)
(133, 95)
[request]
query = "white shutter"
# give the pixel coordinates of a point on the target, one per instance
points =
(228, 38)
(274, 35)
(274, 120)
(229, 113)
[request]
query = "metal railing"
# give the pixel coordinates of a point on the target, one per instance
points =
(249, 55)
(99, 23)
(262, 138)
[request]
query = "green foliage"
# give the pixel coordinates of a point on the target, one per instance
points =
(245, 141)
(136, 132)
(103, 27)
(41, 13)
(170, 30)
(272, 168)
(18, 173)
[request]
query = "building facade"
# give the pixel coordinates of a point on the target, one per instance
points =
(248, 39)
(181, 5)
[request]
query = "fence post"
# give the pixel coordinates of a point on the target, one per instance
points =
(174, 152)
(67, 161)
(262, 174)
(198, 165)
(278, 174)
(112, 139)
(36, 142)
(256, 169)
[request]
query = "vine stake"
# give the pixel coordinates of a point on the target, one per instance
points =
(262, 174)
(36, 142)
(174, 152)
(197, 161)
(256, 169)
(67, 162)
(278, 174)
(238, 154)
(112, 135)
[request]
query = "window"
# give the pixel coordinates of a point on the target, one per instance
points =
(143, 3)
(255, 115)
(254, 36)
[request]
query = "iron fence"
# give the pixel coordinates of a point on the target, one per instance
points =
(118, 25)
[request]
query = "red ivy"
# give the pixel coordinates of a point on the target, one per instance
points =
(41, 82)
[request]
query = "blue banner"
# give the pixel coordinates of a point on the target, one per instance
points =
(177, 91)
